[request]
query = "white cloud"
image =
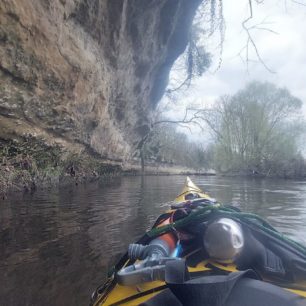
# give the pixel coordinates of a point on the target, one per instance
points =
(284, 53)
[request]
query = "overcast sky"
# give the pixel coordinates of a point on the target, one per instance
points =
(284, 53)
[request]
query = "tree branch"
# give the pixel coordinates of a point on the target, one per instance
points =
(251, 40)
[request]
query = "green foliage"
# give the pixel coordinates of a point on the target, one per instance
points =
(28, 162)
(197, 59)
(256, 129)
(166, 145)
(192, 63)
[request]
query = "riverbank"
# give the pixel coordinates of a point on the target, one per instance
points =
(46, 167)
(134, 168)
(28, 165)
(291, 174)
(31, 164)
(26, 178)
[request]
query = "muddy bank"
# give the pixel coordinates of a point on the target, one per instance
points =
(27, 164)
(134, 168)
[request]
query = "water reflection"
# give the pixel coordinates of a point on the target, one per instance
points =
(56, 246)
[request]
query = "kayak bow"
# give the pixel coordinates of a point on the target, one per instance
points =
(199, 242)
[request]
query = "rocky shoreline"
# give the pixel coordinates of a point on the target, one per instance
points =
(14, 180)
(29, 164)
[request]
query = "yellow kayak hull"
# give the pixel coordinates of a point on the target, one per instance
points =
(190, 187)
(120, 295)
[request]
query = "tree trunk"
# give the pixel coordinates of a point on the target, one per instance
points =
(142, 160)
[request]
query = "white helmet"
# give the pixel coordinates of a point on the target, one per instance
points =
(223, 240)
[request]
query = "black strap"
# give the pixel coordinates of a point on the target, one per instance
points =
(235, 289)
(214, 290)
(138, 295)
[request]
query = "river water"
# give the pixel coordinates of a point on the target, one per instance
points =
(56, 246)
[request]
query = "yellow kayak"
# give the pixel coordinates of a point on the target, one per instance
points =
(200, 252)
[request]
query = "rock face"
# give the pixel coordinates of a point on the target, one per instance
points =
(87, 74)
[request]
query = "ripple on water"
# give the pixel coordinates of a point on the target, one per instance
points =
(56, 246)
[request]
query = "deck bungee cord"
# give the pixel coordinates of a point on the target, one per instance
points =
(198, 242)
(206, 213)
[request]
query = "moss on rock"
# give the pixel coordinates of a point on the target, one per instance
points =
(28, 163)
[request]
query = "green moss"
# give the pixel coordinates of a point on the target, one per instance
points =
(29, 163)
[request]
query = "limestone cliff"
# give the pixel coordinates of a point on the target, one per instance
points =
(87, 74)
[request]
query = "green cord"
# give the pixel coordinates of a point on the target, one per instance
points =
(206, 212)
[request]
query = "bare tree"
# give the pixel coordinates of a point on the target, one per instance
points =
(251, 125)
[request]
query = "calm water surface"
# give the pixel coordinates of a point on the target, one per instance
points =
(56, 246)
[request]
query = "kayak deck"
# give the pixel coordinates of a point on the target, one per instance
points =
(113, 293)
